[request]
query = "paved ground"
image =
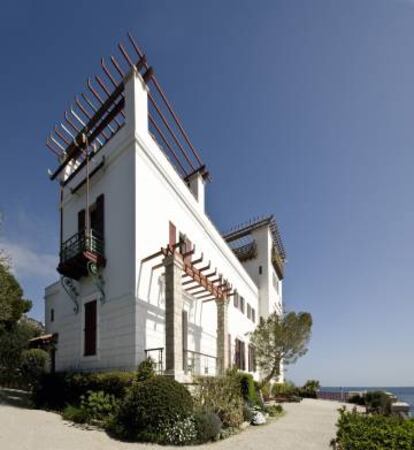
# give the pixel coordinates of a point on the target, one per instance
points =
(307, 425)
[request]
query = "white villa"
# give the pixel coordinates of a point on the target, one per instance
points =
(143, 270)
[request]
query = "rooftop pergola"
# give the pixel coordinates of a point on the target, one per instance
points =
(97, 114)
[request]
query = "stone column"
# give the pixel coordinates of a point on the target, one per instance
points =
(222, 339)
(174, 316)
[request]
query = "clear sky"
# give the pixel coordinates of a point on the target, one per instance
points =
(301, 108)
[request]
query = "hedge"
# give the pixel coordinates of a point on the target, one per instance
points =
(56, 390)
(374, 432)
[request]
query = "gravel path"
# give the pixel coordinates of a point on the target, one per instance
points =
(307, 425)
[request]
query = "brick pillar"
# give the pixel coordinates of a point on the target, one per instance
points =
(174, 316)
(222, 333)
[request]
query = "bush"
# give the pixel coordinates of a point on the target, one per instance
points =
(378, 402)
(310, 389)
(179, 432)
(98, 405)
(75, 414)
(148, 406)
(222, 395)
(56, 390)
(357, 399)
(274, 410)
(362, 432)
(34, 364)
(286, 389)
(247, 388)
(208, 425)
(145, 369)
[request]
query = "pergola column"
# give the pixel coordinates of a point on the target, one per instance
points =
(174, 316)
(222, 333)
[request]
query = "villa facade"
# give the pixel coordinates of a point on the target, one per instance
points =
(143, 270)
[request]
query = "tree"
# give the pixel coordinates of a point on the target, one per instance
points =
(280, 338)
(12, 303)
(15, 329)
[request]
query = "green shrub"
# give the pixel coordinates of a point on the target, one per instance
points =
(56, 390)
(208, 426)
(274, 410)
(34, 363)
(98, 405)
(75, 414)
(373, 432)
(247, 388)
(357, 399)
(148, 406)
(286, 389)
(221, 395)
(145, 369)
(309, 389)
(378, 402)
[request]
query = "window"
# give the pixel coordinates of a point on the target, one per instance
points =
(240, 362)
(96, 216)
(90, 329)
(52, 315)
(236, 300)
(252, 359)
(260, 270)
(242, 304)
(249, 311)
(253, 315)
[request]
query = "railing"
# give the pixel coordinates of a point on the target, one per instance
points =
(156, 354)
(80, 242)
(198, 363)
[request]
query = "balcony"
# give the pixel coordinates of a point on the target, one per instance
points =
(278, 263)
(78, 251)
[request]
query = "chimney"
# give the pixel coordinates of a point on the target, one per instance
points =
(197, 185)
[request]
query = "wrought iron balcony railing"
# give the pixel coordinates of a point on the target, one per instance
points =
(86, 246)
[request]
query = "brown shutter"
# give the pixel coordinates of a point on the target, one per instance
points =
(172, 236)
(237, 354)
(242, 356)
(90, 329)
(249, 359)
(81, 220)
(100, 214)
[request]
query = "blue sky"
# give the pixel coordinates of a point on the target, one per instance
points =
(301, 108)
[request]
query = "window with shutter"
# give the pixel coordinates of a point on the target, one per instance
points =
(236, 300)
(242, 304)
(81, 221)
(90, 329)
(242, 356)
(100, 216)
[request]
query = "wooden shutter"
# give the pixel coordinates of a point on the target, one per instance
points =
(90, 329)
(100, 213)
(172, 235)
(81, 221)
(238, 354)
(242, 356)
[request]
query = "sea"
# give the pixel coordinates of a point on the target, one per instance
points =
(404, 394)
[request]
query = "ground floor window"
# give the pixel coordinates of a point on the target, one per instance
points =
(251, 359)
(90, 329)
(240, 359)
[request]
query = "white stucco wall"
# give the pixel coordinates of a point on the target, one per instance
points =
(143, 193)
